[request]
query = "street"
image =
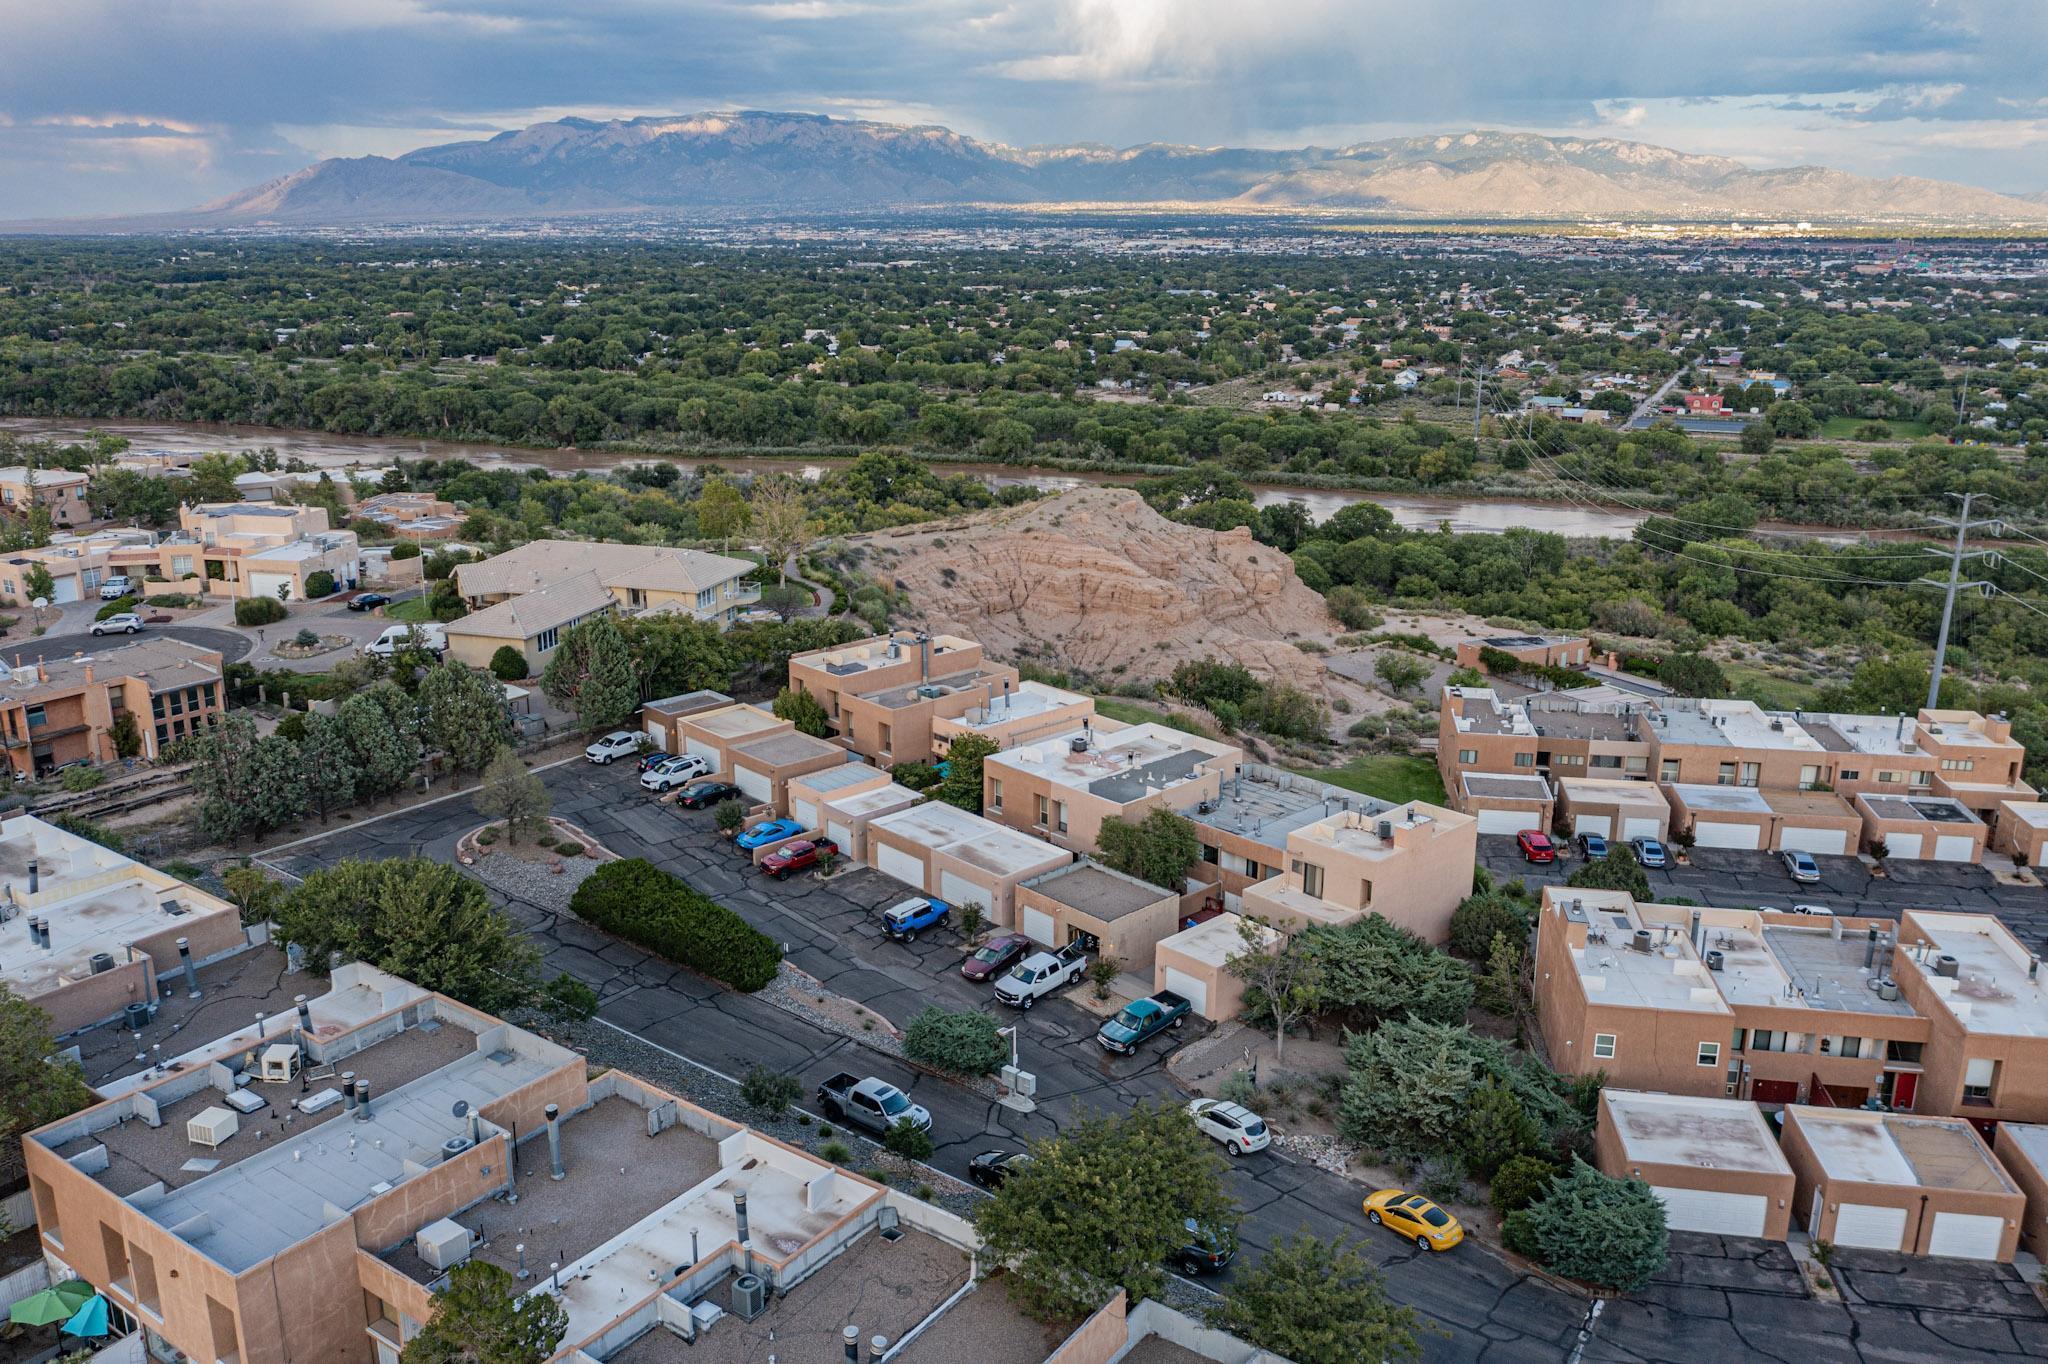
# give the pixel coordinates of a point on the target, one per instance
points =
(1736, 1292)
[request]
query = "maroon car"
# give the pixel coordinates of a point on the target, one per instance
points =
(796, 856)
(996, 956)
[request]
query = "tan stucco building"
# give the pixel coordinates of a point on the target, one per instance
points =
(66, 710)
(1888, 1181)
(1064, 786)
(1115, 915)
(961, 858)
(1713, 1163)
(1410, 863)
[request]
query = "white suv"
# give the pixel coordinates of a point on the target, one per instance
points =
(116, 587)
(670, 773)
(1239, 1129)
(620, 743)
(125, 623)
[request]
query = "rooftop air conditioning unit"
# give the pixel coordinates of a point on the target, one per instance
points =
(1642, 940)
(1078, 744)
(1386, 830)
(443, 1244)
(1714, 959)
(453, 1147)
(749, 1296)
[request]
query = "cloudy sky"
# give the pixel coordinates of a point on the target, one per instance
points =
(126, 105)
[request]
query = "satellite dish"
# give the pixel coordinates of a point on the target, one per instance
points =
(40, 603)
(461, 1109)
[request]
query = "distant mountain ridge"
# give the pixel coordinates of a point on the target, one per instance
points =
(750, 160)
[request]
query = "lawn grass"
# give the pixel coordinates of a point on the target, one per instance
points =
(1389, 776)
(413, 609)
(1844, 428)
(1767, 689)
(1131, 713)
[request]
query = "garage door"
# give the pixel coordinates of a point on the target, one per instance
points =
(804, 812)
(842, 835)
(1902, 845)
(1966, 1236)
(1954, 848)
(703, 750)
(899, 864)
(64, 588)
(266, 584)
(657, 734)
(1832, 841)
(957, 890)
(1603, 825)
(1708, 833)
(1036, 923)
(1195, 992)
(1723, 1214)
(755, 784)
(1872, 1228)
(1642, 828)
(1508, 822)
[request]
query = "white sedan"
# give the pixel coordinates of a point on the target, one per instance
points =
(670, 773)
(620, 743)
(125, 623)
(1239, 1129)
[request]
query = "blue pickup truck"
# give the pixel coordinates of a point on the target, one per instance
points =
(908, 918)
(1141, 1020)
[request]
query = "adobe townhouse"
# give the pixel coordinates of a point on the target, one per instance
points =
(225, 549)
(60, 492)
(63, 711)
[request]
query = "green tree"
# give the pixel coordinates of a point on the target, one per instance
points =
(213, 477)
(784, 599)
(906, 1139)
(780, 520)
(1496, 1129)
(38, 583)
(255, 894)
(721, 512)
(1103, 1204)
(1619, 870)
(276, 794)
(221, 774)
(1520, 1181)
(1482, 917)
(1757, 438)
(1499, 987)
(1159, 848)
(127, 736)
(1379, 970)
(964, 757)
(514, 793)
(1408, 1086)
(422, 920)
(485, 1316)
(381, 727)
(1693, 675)
(1603, 1231)
(1318, 1302)
(803, 710)
(508, 664)
(1401, 672)
(967, 1042)
(463, 715)
(1282, 982)
(33, 1089)
(591, 671)
(328, 764)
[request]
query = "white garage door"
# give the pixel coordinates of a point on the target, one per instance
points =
(703, 750)
(1195, 992)
(1903, 845)
(64, 588)
(1508, 821)
(657, 734)
(1835, 841)
(842, 834)
(804, 812)
(1872, 1228)
(899, 864)
(1642, 828)
(1036, 924)
(1707, 833)
(1966, 1235)
(1724, 1214)
(1603, 825)
(755, 784)
(266, 584)
(1954, 848)
(957, 890)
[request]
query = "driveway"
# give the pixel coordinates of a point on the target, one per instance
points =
(1486, 1307)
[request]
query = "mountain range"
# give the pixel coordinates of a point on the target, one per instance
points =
(754, 161)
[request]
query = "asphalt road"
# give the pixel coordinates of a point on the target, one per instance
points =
(1715, 1299)
(232, 645)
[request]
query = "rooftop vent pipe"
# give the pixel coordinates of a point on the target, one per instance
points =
(348, 1090)
(851, 1335)
(191, 971)
(305, 1014)
(739, 1213)
(362, 1101)
(557, 1170)
(35, 876)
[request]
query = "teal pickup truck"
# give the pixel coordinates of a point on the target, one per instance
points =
(1140, 1020)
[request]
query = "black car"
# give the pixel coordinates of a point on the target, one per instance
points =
(367, 601)
(991, 1168)
(708, 793)
(1209, 1249)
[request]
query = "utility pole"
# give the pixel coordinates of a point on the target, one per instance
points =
(1963, 526)
(1478, 388)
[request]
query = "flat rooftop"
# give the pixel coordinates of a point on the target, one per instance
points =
(1731, 724)
(793, 746)
(1708, 1134)
(1612, 971)
(1874, 736)
(1727, 800)
(1504, 786)
(1212, 942)
(1120, 766)
(1918, 809)
(867, 655)
(1892, 1148)
(1265, 804)
(1025, 701)
(1636, 795)
(734, 722)
(1795, 968)
(1097, 891)
(688, 703)
(2030, 1137)
(829, 779)
(1990, 992)
(878, 800)
(2032, 813)
(976, 680)
(1358, 834)
(984, 1327)
(970, 838)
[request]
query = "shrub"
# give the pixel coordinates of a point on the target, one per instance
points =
(907, 1141)
(306, 639)
(1238, 1087)
(770, 1090)
(568, 997)
(729, 815)
(1520, 1182)
(1603, 1231)
(1440, 1178)
(319, 583)
(966, 1042)
(1353, 608)
(508, 664)
(1519, 1235)
(1479, 917)
(82, 778)
(836, 1152)
(916, 776)
(405, 549)
(115, 607)
(637, 901)
(259, 611)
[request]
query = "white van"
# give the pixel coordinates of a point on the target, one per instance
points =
(433, 635)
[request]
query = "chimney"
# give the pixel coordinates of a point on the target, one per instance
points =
(1870, 950)
(38, 934)
(348, 1090)
(924, 657)
(362, 1101)
(554, 1117)
(42, 673)
(739, 1212)
(191, 971)
(305, 1015)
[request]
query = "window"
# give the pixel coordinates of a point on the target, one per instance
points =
(1059, 810)
(1752, 773)
(1958, 764)
(1468, 755)
(1760, 1040)
(1908, 1052)
(1603, 1046)
(1852, 774)
(1209, 854)
(1741, 1039)
(1668, 770)
(1254, 870)
(1039, 811)
(1809, 775)
(1980, 1073)
(181, 565)
(1710, 1054)
(1892, 777)
(1923, 779)
(1525, 760)
(707, 599)
(36, 716)
(1726, 776)
(546, 640)
(885, 734)
(1607, 760)
(1312, 880)
(1639, 764)
(46, 1210)
(995, 794)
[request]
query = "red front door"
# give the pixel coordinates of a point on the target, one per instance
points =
(1774, 1091)
(1905, 1084)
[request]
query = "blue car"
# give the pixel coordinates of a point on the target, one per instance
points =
(905, 920)
(1650, 853)
(1592, 846)
(774, 831)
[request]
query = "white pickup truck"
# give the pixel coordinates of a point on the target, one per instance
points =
(1039, 974)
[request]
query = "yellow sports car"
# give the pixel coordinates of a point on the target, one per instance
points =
(1415, 1217)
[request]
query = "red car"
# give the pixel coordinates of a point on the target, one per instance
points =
(996, 956)
(1536, 846)
(796, 856)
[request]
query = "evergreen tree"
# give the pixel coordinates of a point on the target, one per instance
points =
(484, 1316)
(513, 793)
(1497, 1129)
(33, 1089)
(1603, 1231)
(220, 756)
(803, 710)
(1159, 848)
(1379, 970)
(381, 755)
(591, 670)
(329, 765)
(1318, 1302)
(463, 715)
(1409, 1084)
(962, 786)
(276, 793)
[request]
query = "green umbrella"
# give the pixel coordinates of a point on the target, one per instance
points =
(52, 1304)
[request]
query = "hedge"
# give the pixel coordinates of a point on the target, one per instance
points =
(319, 583)
(115, 607)
(636, 900)
(259, 611)
(969, 1042)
